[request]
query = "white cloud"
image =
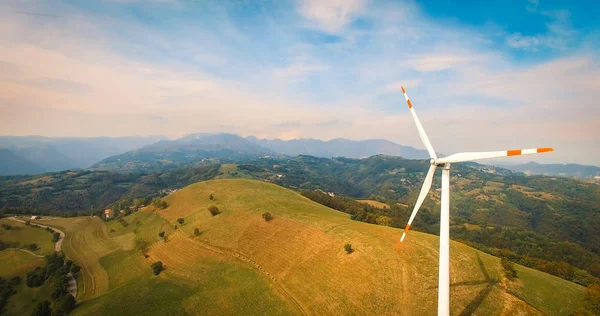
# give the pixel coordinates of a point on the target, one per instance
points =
(297, 71)
(331, 15)
(559, 34)
(397, 86)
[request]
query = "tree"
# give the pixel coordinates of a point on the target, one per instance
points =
(55, 236)
(159, 203)
(180, 220)
(197, 231)
(42, 309)
(348, 248)
(267, 216)
(214, 211)
(383, 220)
(75, 269)
(63, 305)
(32, 246)
(509, 269)
(592, 298)
(161, 234)
(157, 267)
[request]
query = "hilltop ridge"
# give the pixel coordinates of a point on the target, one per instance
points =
(296, 262)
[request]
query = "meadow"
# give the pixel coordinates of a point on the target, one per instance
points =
(238, 263)
(26, 235)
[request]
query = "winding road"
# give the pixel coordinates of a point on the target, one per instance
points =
(57, 247)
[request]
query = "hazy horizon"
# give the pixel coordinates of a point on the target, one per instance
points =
(482, 77)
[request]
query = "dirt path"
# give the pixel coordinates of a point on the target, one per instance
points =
(244, 259)
(58, 245)
(57, 248)
(29, 252)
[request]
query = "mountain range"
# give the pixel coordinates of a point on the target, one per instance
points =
(570, 170)
(37, 154)
(196, 148)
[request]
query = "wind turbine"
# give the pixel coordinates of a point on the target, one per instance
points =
(444, 163)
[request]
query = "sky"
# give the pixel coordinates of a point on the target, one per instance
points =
(482, 75)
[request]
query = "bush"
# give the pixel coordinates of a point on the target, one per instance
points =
(197, 231)
(157, 267)
(75, 268)
(267, 216)
(15, 280)
(32, 246)
(42, 309)
(63, 305)
(214, 211)
(509, 269)
(161, 234)
(348, 248)
(211, 197)
(55, 236)
(180, 221)
(36, 277)
(160, 204)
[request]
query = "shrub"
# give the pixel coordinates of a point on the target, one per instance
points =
(27, 222)
(161, 234)
(160, 204)
(15, 280)
(267, 216)
(197, 231)
(63, 305)
(32, 246)
(509, 269)
(75, 269)
(42, 309)
(211, 197)
(157, 267)
(55, 236)
(348, 248)
(180, 221)
(214, 211)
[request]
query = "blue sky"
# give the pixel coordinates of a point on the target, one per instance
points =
(483, 75)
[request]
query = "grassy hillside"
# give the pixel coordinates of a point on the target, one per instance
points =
(25, 235)
(293, 264)
(13, 263)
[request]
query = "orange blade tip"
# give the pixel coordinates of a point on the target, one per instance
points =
(403, 91)
(544, 150)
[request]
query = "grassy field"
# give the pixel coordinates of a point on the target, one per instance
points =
(27, 235)
(293, 264)
(14, 262)
(17, 263)
(301, 252)
(374, 203)
(86, 241)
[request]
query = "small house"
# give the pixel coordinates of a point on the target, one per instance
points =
(108, 213)
(35, 217)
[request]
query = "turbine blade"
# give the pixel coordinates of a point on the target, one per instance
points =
(460, 157)
(422, 195)
(422, 134)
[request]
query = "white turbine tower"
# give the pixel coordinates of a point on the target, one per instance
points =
(444, 265)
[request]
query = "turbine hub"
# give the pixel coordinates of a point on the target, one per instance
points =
(432, 161)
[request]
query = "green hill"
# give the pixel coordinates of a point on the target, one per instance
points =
(293, 264)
